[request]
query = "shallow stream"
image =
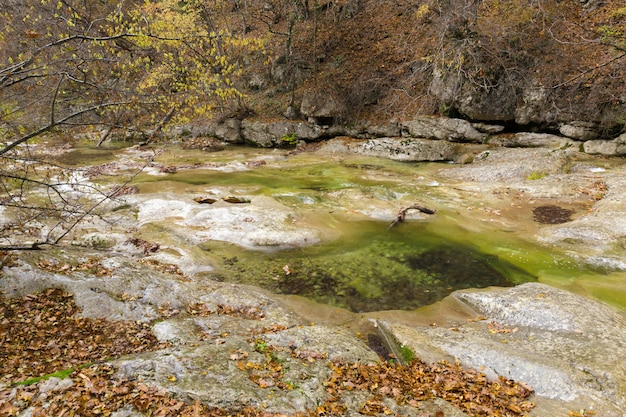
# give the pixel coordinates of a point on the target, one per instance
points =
(359, 263)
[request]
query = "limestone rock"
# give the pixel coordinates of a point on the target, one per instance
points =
(336, 343)
(539, 335)
(578, 130)
(272, 134)
(210, 371)
(386, 130)
(265, 135)
(259, 223)
(488, 128)
(469, 99)
(291, 113)
(541, 307)
(602, 229)
(615, 147)
(229, 131)
(531, 140)
(443, 128)
(324, 108)
(532, 108)
(407, 150)
(136, 292)
(510, 164)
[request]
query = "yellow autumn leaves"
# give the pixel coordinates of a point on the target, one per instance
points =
(184, 61)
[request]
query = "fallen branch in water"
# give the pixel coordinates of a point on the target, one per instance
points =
(402, 213)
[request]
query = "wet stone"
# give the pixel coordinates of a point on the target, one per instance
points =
(552, 214)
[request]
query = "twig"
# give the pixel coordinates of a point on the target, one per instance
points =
(402, 213)
(583, 73)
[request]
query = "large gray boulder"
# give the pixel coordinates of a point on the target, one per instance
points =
(579, 130)
(615, 147)
(322, 107)
(397, 149)
(531, 140)
(266, 135)
(443, 128)
(408, 150)
(227, 130)
(539, 335)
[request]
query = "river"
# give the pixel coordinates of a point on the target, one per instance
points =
(316, 224)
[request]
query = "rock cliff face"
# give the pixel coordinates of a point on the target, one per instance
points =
(436, 135)
(494, 63)
(394, 69)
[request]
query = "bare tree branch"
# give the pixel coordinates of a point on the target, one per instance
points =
(6, 73)
(56, 123)
(582, 74)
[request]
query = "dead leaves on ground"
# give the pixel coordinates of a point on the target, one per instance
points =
(144, 245)
(246, 312)
(7, 259)
(469, 390)
(40, 335)
(94, 392)
(497, 328)
(91, 266)
(162, 267)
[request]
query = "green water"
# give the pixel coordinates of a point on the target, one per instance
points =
(318, 177)
(366, 267)
(412, 265)
(372, 269)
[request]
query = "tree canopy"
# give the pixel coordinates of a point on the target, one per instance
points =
(106, 63)
(103, 66)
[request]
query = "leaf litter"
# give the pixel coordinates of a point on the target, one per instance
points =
(41, 335)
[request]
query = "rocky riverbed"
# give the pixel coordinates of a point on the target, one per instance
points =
(560, 207)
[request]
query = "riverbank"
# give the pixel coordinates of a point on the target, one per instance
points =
(162, 256)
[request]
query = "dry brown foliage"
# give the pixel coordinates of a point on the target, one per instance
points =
(40, 334)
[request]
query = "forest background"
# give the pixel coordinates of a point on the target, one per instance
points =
(133, 68)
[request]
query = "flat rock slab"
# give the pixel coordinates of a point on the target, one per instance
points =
(261, 223)
(137, 292)
(596, 235)
(541, 336)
